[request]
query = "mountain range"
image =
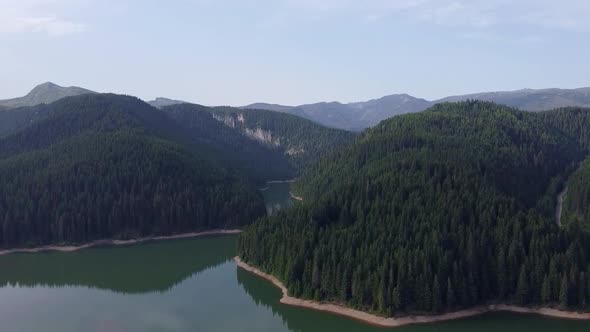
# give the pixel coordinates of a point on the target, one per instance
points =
(355, 116)
(358, 116)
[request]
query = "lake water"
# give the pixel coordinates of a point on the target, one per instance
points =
(182, 285)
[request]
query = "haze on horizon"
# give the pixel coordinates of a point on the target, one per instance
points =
(231, 52)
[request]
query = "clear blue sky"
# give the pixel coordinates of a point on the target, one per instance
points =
(235, 52)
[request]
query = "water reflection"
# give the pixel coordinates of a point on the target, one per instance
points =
(149, 267)
(277, 197)
(303, 320)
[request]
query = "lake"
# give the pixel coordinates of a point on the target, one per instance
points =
(181, 285)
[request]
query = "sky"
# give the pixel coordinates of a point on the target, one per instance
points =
(236, 52)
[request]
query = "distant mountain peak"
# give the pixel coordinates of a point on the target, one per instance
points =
(160, 102)
(47, 85)
(44, 93)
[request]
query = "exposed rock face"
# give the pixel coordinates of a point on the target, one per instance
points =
(263, 136)
(228, 120)
(258, 134)
(293, 151)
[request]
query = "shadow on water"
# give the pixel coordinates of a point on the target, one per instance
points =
(277, 197)
(303, 320)
(149, 267)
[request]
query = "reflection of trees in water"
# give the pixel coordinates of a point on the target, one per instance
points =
(295, 319)
(302, 320)
(150, 267)
(277, 197)
(266, 297)
(273, 208)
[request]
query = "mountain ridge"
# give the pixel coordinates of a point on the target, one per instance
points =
(358, 116)
(353, 116)
(44, 93)
(160, 102)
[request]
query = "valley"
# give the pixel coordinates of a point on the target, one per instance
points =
(294, 166)
(442, 214)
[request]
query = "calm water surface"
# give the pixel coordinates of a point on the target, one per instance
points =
(184, 285)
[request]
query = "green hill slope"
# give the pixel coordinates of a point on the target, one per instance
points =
(103, 166)
(301, 141)
(259, 161)
(434, 212)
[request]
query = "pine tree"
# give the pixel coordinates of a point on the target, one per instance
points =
(563, 293)
(436, 296)
(450, 295)
(522, 288)
(546, 291)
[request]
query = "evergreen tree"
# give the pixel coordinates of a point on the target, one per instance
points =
(522, 288)
(564, 293)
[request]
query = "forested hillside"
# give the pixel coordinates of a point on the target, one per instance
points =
(572, 121)
(436, 211)
(13, 120)
(259, 161)
(285, 142)
(576, 209)
(301, 141)
(575, 122)
(104, 166)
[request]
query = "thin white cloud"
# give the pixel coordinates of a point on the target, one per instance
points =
(51, 26)
(563, 14)
(36, 16)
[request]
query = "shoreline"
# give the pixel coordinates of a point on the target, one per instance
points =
(281, 181)
(297, 198)
(375, 320)
(113, 243)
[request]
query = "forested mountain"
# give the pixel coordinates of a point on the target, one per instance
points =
(102, 166)
(360, 115)
(15, 119)
(259, 161)
(577, 198)
(576, 205)
(107, 166)
(436, 211)
(45, 93)
(355, 116)
(299, 140)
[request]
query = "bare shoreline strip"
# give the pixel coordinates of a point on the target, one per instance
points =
(401, 321)
(281, 181)
(59, 248)
(297, 198)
